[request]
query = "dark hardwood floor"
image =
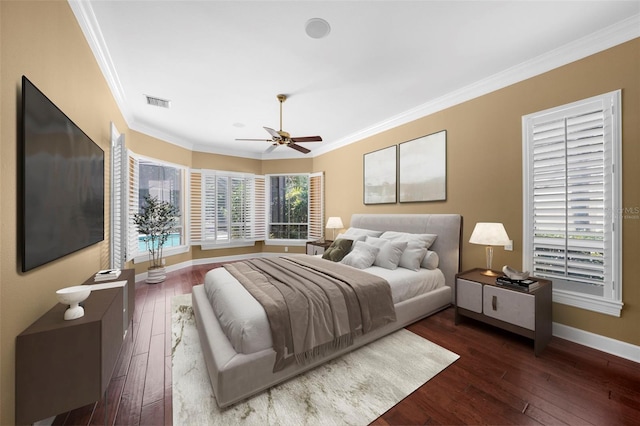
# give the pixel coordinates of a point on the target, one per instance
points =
(497, 379)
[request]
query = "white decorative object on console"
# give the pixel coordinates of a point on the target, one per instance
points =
(73, 296)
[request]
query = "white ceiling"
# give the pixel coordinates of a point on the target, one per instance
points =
(222, 63)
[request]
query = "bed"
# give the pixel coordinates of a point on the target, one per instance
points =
(241, 363)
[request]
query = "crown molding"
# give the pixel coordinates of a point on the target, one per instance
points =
(89, 25)
(606, 38)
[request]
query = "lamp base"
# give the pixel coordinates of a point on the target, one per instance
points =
(489, 273)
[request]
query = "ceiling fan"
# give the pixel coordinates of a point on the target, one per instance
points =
(281, 137)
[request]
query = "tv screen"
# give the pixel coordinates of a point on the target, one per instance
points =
(62, 185)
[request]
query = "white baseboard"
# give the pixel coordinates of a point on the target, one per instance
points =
(596, 341)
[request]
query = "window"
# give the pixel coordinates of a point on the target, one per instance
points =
(226, 208)
(295, 207)
(572, 192)
(164, 181)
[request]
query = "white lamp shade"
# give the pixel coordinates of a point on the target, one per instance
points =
(489, 234)
(335, 222)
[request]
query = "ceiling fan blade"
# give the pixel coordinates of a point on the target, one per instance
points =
(299, 148)
(272, 132)
(257, 140)
(307, 139)
(271, 148)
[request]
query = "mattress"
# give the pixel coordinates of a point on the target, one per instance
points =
(245, 322)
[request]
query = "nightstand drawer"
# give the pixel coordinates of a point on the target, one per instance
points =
(315, 250)
(510, 306)
(469, 295)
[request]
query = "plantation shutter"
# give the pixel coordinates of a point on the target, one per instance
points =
(259, 209)
(196, 216)
(226, 208)
(222, 209)
(133, 208)
(316, 206)
(237, 208)
(118, 201)
(570, 203)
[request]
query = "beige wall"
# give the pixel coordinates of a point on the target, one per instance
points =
(484, 168)
(43, 41)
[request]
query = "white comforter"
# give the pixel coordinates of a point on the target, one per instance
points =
(245, 323)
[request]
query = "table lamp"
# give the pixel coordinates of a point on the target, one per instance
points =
(489, 234)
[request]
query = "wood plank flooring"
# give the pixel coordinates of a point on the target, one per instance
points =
(497, 379)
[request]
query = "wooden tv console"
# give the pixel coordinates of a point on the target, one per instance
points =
(62, 365)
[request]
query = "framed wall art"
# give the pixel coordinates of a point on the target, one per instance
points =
(423, 168)
(380, 176)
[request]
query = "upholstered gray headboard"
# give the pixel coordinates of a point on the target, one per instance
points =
(447, 226)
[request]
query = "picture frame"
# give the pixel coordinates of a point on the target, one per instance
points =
(423, 169)
(380, 176)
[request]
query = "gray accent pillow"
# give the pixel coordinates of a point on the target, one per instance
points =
(362, 255)
(431, 260)
(390, 252)
(337, 250)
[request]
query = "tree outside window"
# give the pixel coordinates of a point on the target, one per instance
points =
(289, 207)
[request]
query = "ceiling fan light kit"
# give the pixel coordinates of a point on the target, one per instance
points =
(281, 137)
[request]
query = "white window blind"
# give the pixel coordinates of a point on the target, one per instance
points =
(133, 206)
(227, 208)
(119, 200)
(316, 206)
(196, 223)
(571, 197)
(258, 199)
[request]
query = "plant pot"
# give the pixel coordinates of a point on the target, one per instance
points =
(156, 275)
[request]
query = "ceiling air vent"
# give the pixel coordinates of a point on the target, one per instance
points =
(159, 102)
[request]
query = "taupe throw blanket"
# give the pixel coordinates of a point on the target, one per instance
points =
(314, 306)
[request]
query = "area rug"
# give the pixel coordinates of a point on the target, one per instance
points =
(353, 389)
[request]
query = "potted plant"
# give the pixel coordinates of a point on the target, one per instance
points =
(156, 221)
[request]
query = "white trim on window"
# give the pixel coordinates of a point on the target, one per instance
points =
(133, 252)
(315, 206)
(572, 180)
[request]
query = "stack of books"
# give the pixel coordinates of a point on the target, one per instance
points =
(106, 275)
(521, 285)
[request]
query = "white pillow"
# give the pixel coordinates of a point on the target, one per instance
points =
(361, 256)
(390, 252)
(362, 231)
(431, 260)
(416, 248)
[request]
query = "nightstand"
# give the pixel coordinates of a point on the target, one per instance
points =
(525, 313)
(317, 247)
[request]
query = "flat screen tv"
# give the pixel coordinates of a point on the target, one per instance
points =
(62, 183)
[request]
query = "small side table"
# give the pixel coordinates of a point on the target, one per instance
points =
(525, 313)
(317, 247)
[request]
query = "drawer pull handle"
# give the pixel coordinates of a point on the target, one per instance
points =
(494, 303)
